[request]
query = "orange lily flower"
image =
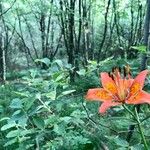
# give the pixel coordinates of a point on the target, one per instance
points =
(117, 90)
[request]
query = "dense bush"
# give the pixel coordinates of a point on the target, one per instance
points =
(41, 110)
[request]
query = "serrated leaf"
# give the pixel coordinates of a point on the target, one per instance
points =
(39, 122)
(16, 103)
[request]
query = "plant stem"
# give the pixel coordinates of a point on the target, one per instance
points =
(136, 117)
(140, 130)
(128, 110)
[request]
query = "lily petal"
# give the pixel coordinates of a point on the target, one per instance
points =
(108, 83)
(141, 97)
(106, 105)
(138, 82)
(98, 94)
(129, 82)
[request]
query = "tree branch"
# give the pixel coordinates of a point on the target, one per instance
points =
(8, 8)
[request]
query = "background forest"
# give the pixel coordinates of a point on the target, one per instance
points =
(51, 53)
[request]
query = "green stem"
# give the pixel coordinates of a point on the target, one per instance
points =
(136, 117)
(140, 130)
(128, 110)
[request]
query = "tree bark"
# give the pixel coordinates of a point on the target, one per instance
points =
(105, 31)
(67, 26)
(2, 50)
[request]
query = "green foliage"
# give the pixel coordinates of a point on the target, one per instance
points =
(41, 114)
(141, 48)
(44, 111)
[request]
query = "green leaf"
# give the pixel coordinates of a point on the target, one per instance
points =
(39, 122)
(29, 103)
(23, 94)
(59, 129)
(52, 119)
(16, 112)
(137, 147)
(10, 142)
(5, 118)
(67, 92)
(8, 126)
(141, 48)
(59, 63)
(13, 133)
(44, 60)
(81, 72)
(16, 103)
(121, 142)
(60, 77)
(51, 95)
(23, 121)
(66, 119)
(33, 73)
(1, 109)
(19, 132)
(25, 132)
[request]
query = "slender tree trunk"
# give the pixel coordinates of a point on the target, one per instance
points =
(31, 37)
(2, 50)
(105, 31)
(146, 35)
(67, 25)
(77, 49)
(85, 30)
(26, 48)
(118, 30)
(71, 57)
(43, 36)
(48, 32)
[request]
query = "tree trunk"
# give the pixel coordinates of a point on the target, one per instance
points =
(2, 50)
(67, 25)
(105, 31)
(71, 57)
